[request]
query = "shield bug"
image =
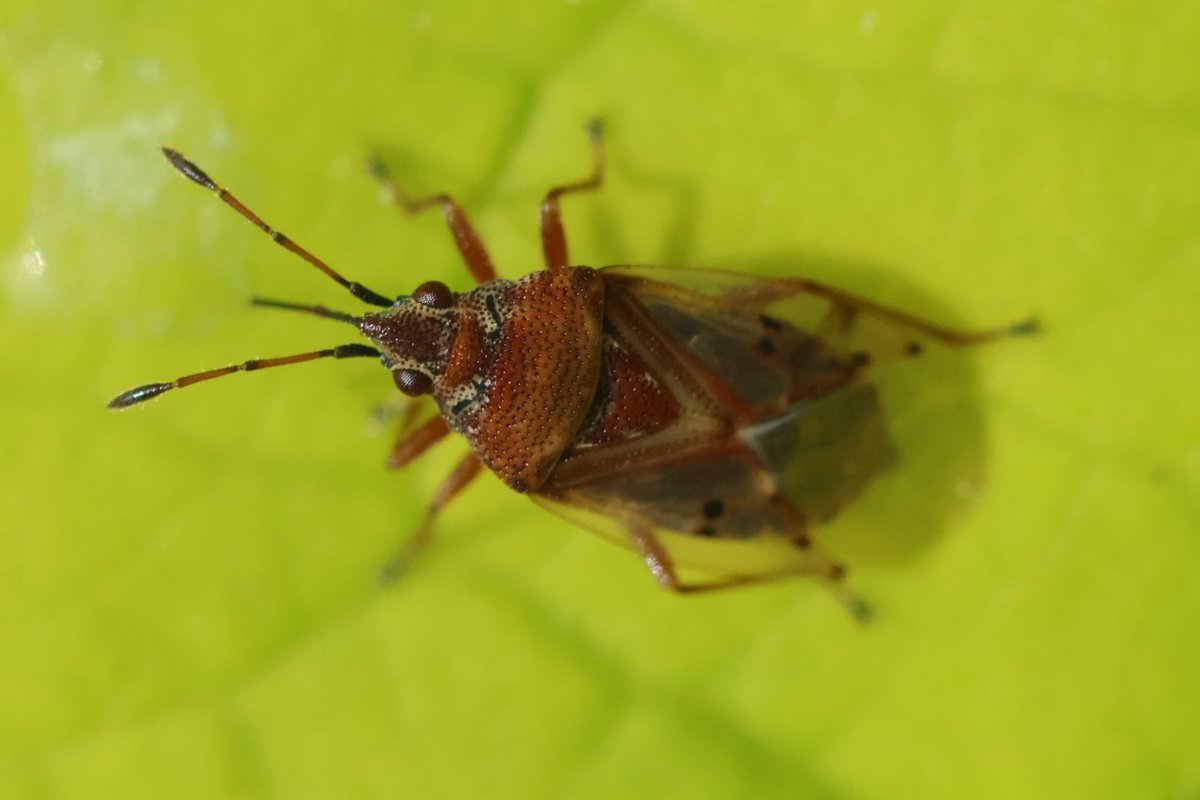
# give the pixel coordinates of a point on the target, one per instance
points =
(704, 419)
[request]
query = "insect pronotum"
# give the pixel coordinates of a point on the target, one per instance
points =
(702, 418)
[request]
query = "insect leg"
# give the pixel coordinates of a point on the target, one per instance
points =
(663, 569)
(845, 307)
(412, 443)
(554, 240)
(856, 324)
(465, 238)
(462, 475)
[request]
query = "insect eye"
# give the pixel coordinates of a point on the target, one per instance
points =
(434, 294)
(412, 382)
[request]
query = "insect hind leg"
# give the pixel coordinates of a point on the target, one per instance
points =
(847, 311)
(662, 567)
(879, 332)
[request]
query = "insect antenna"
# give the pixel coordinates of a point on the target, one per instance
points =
(305, 308)
(149, 390)
(197, 175)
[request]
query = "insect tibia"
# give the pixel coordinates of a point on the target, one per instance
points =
(188, 169)
(138, 394)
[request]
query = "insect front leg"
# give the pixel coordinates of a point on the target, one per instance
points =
(463, 474)
(465, 237)
(554, 239)
(661, 566)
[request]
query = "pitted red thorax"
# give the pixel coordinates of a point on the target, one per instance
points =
(524, 367)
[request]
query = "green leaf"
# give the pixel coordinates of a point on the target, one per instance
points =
(188, 597)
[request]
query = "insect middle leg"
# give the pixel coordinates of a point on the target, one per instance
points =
(465, 237)
(412, 443)
(455, 482)
(661, 566)
(554, 239)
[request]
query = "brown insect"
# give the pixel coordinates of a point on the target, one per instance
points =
(704, 419)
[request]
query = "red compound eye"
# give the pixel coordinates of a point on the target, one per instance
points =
(434, 294)
(412, 382)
